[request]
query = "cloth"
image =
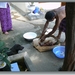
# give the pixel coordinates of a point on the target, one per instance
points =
(3, 4)
(62, 26)
(5, 18)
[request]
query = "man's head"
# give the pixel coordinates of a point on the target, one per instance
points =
(50, 15)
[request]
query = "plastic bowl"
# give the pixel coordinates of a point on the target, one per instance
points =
(59, 51)
(29, 36)
(36, 10)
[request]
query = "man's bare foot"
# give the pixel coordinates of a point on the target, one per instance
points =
(63, 43)
(6, 33)
(58, 37)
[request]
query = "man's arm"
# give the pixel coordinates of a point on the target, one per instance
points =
(54, 28)
(44, 29)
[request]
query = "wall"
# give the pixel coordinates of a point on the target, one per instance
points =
(22, 6)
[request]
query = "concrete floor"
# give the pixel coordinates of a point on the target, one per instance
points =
(37, 62)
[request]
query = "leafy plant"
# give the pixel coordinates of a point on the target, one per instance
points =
(3, 53)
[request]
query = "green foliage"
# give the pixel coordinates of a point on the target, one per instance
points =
(3, 53)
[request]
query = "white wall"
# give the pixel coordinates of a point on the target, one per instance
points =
(45, 5)
(48, 5)
(21, 5)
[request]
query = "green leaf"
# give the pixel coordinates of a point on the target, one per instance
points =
(1, 57)
(3, 53)
(5, 50)
(7, 61)
(2, 45)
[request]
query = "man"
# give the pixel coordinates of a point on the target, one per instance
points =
(59, 14)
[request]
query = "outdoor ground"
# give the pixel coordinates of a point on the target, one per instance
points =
(42, 62)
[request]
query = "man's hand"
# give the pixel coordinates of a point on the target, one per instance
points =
(43, 34)
(43, 38)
